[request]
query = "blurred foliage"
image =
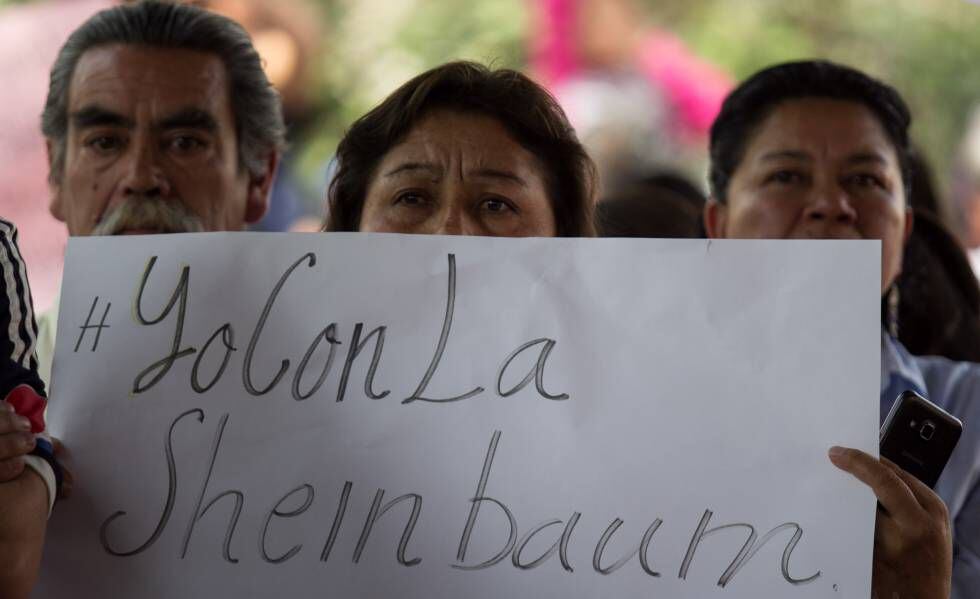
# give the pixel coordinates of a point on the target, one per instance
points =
(928, 49)
(373, 46)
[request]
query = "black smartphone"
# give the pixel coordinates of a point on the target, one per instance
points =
(919, 436)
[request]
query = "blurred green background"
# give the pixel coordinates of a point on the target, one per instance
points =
(929, 50)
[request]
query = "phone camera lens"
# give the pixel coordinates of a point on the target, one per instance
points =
(927, 430)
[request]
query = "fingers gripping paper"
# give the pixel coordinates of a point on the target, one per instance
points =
(377, 415)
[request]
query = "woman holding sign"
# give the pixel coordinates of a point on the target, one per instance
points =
(814, 150)
(463, 150)
(467, 151)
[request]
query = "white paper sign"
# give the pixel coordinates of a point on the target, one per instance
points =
(310, 415)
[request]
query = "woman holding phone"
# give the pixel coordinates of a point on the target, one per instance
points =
(815, 150)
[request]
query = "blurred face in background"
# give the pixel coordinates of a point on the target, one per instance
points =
(151, 146)
(818, 168)
(459, 173)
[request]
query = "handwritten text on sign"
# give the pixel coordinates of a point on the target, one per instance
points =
(374, 415)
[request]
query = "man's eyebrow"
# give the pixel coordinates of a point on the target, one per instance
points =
(786, 154)
(96, 116)
(413, 166)
(190, 118)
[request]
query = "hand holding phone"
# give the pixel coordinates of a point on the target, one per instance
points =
(913, 550)
(919, 437)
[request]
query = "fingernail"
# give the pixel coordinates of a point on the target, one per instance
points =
(23, 423)
(28, 442)
(836, 451)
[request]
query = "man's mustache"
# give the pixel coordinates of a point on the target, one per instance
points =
(151, 214)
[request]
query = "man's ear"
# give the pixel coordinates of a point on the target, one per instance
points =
(56, 205)
(715, 219)
(259, 188)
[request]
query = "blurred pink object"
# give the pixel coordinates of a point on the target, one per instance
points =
(30, 37)
(554, 55)
(693, 87)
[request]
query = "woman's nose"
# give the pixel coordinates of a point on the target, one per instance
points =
(455, 220)
(831, 204)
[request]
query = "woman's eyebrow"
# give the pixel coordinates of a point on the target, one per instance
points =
(786, 154)
(492, 173)
(483, 173)
(408, 167)
(866, 157)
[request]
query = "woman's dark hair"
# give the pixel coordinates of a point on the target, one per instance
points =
(939, 299)
(528, 112)
(752, 101)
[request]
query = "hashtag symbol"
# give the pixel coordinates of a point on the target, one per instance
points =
(98, 327)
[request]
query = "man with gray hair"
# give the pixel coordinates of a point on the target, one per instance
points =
(159, 119)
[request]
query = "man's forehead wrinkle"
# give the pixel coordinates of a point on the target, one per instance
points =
(138, 76)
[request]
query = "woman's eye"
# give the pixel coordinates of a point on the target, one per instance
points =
(785, 178)
(409, 198)
(866, 180)
(497, 206)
